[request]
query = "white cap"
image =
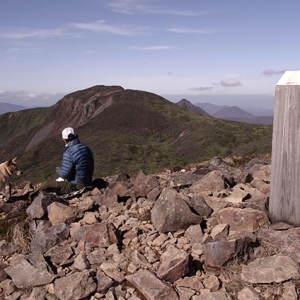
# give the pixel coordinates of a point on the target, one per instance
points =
(65, 133)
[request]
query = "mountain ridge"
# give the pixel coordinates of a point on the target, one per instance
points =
(231, 113)
(184, 103)
(254, 110)
(8, 107)
(260, 115)
(128, 130)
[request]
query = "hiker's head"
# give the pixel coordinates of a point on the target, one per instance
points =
(69, 134)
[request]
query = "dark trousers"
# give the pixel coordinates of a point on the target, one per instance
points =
(58, 187)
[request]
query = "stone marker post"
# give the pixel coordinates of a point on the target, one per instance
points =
(284, 204)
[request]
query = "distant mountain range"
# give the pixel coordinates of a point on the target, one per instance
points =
(209, 108)
(7, 107)
(232, 113)
(128, 131)
(188, 105)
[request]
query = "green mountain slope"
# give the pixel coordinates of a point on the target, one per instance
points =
(128, 130)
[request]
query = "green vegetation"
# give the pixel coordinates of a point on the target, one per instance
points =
(143, 131)
(16, 128)
(7, 225)
(137, 131)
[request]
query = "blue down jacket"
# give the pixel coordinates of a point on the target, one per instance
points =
(77, 163)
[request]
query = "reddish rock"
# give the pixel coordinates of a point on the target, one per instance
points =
(120, 189)
(144, 186)
(19, 274)
(171, 213)
(285, 241)
(101, 235)
(78, 285)
(213, 181)
(150, 286)
(217, 253)
(46, 239)
(244, 220)
(60, 213)
(276, 268)
(38, 208)
(173, 265)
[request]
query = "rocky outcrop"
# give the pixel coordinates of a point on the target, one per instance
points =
(200, 233)
(75, 109)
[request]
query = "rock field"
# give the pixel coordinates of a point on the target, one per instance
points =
(197, 233)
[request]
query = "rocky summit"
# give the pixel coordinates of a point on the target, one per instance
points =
(197, 233)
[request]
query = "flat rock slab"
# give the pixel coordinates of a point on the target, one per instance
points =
(287, 242)
(277, 268)
(173, 266)
(244, 220)
(171, 213)
(151, 287)
(78, 285)
(45, 240)
(25, 275)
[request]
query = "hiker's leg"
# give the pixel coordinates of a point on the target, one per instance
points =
(58, 187)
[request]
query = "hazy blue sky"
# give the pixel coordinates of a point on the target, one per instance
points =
(174, 48)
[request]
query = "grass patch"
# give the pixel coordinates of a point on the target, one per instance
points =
(137, 131)
(7, 225)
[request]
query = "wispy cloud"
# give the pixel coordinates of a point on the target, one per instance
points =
(153, 48)
(192, 30)
(98, 26)
(229, 82)
(24, 33)
(202, 88)
(126, 6)
(29, 99)
(132, 6)
(18, 50)
(183, 13)
(101, 26)
(273, 72)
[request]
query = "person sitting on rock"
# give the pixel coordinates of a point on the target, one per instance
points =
(76, 170)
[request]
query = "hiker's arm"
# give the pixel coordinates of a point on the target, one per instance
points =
(66, 170)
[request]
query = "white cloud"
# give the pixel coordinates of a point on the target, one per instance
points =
(273, 72)
(97, 26)
(24, 33)
(125, 6)
(153, 48)
(101, 26)
(202, 88)
(17, 50)
(132, 6)
(230, 82)
(192, 30)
